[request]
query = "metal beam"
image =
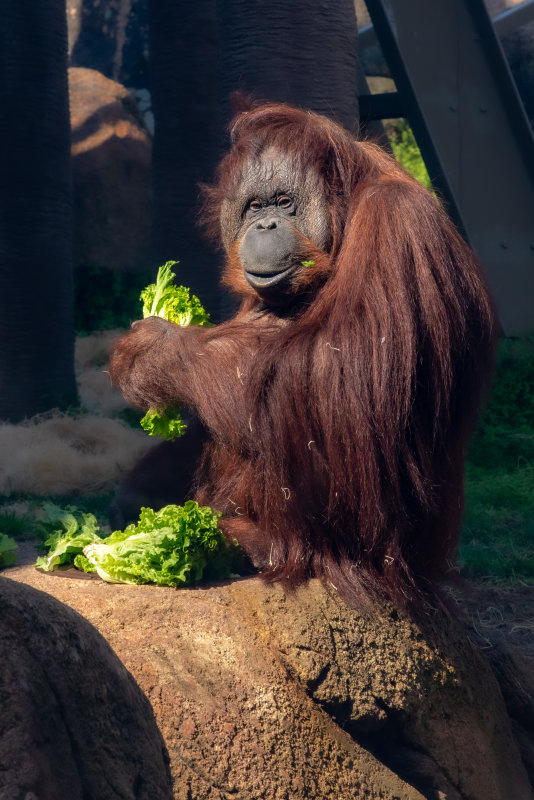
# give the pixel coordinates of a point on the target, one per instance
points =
(506, 22)
(386, 105)
(514, 18)
(462, 104)
(504, 82)
(367, 37)
(368, 125)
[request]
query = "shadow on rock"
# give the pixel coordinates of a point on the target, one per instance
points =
(74, 724)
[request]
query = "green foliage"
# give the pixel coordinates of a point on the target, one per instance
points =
(505, 435)
(13, 525)
(19, 512)
(168, 424)
(407, 152)
(175, 546)
(498, 532)
(8, 551)
(105, 298)
(65, 531)
(164, 299)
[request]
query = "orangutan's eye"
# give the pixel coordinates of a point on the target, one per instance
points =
(284, 201)
(254, 205)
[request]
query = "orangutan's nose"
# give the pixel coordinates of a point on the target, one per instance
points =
(266, 224)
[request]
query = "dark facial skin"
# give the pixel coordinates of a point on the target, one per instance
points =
(270, 248)
(276, 210)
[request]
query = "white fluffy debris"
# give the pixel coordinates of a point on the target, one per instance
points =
(89, 453)
(97, 395)
(63, 454)
(94, 350)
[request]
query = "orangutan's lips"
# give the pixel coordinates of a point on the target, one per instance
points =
(266, 280)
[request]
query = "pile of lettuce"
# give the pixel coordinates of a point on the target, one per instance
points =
(175, 546)
(176, 304)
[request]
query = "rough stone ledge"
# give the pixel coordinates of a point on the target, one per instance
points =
(264, 696)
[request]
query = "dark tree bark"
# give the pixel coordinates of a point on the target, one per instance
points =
(301, 53)
(36, 305)
(188, 136)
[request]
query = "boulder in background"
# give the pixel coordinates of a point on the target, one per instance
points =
(111, 159)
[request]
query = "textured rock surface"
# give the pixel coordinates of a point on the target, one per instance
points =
(111, 156)
(264, 696)
(73, 723)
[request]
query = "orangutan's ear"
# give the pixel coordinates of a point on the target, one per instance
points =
(241, 101)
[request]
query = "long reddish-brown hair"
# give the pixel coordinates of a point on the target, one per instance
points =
(360, 407)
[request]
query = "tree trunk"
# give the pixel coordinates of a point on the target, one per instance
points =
(188, 135)
(36, 297)
(301, 53)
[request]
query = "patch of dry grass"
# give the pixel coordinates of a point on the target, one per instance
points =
(88, 452)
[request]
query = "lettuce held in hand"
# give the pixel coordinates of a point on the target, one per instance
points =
(164, 299)
(174, 303)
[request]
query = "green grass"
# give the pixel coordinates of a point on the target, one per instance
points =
(12, 525)
(497, 542)
(407, 152)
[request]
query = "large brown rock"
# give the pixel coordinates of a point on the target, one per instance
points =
(265, 696)
(110, 36)
(111, 162)
(73, 723)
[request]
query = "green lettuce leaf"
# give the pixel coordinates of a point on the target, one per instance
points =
(66, 531)
(176, 546)
(174, 303)
(82, 563)
(168, 424)
(8, 551)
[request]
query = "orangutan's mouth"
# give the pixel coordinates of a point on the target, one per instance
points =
(269, 279)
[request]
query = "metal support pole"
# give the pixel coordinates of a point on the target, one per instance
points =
(462, 103)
